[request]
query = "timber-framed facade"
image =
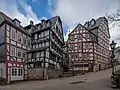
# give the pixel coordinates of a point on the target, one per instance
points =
(14, 44)
(88, 46)
(46, 47)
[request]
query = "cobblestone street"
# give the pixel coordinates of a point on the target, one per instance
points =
(95, 81)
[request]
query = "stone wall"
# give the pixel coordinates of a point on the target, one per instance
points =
(37, 73)
(54, 73)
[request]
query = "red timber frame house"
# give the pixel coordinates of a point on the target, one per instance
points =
(88, 46)
(14, 41)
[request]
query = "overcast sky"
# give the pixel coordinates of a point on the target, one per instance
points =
(70, 11)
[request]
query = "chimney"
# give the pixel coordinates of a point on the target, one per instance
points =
(31, 22)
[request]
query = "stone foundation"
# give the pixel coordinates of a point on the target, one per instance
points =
(37, 74)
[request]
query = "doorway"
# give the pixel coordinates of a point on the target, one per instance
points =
(99, 67)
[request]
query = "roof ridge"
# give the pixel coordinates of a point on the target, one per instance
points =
(5, 16)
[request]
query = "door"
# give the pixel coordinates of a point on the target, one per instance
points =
(99, 67)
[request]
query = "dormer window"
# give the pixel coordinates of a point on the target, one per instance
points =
(86, 24)
(92, 22)
(39, 26)
(17, 22)
(48, 23)
(43, 22)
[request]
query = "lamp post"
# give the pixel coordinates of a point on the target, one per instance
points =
(112, 45)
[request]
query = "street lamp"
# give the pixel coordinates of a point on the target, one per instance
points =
(112, 45)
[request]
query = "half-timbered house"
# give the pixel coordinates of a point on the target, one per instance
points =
(46, 48)
(88, 46)
(14, 42)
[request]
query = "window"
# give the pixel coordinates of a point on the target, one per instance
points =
(72, 37)
(19, 37)
(17, 23)
(72, 55)
(13, 51)
(24, 54)
(28, 42)
(72, 47)
(8, 27)
(76, 56)
(79, 45)
(24, 40)
(19, 71)
(13, 34)
(19, 52)
(34, 55)
(16, 71)
(13, 71)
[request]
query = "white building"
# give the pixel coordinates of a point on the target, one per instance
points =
(14, 42)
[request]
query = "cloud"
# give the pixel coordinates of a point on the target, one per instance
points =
(13, 11)
(74, 11)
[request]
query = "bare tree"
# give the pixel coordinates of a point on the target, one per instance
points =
(114, 18)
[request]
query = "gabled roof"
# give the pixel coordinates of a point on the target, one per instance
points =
(93, 36)
(8, 19)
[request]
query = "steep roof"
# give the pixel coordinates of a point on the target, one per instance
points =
(98, 22)
(8, 19)
(52, 20)
(93, 36)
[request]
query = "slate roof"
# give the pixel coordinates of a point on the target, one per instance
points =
(8, 19)
(52, 20)
(97, 24)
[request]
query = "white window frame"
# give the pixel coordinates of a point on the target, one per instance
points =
(8, 27)
(19, 37)
(13, 51)
(24, 40)
(14, 71)
(19, 51)
(23, 53)
(13, 34)
(20, 71)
